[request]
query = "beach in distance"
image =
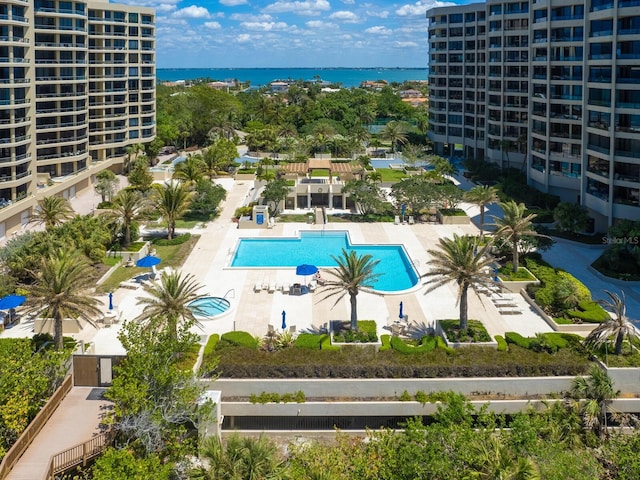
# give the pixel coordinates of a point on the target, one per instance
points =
(347, 77)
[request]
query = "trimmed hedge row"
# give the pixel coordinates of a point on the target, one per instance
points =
(590, 312)
(386, 343)
(308, 340)
(179, 240)
(550, 342)
(502, 343)
(427, 344)
(240, 339)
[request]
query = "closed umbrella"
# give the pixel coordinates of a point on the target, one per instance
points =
(400, 315)
(284, 320)
(110, 300)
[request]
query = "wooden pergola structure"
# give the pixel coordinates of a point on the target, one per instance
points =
(319, 164)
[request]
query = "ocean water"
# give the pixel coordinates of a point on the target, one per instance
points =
(348, 77)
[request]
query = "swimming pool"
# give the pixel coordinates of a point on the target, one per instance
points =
(208, 307)
(316, 248)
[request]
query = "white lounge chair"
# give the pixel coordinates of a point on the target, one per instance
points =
(257, 287)
(271, 287)
(396, 220)
(411, 221)
(286, 288)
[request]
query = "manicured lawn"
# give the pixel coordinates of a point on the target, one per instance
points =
(171, 255)
(293, 218)
(191, 219)
(389, 175)
(506, 274)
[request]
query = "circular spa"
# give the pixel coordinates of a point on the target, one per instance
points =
(210, 307)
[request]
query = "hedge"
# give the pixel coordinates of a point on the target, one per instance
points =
(427, 344)
(386, 345)
(502, 343)
(240, 339)
(308, 340)
(179, 240)
(590, 312)
(325, 344)
(211, 344)
(517, 339)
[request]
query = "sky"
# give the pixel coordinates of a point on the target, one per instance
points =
(290, 33)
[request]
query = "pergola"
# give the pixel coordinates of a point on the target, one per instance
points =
(319, 164)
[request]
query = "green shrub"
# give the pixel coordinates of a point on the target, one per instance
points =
(405, 397)
(240, 339)
(243, 211)
(502, 343)
(135, 246)
(179, 240)
(475, 331)
(308, 340)
(386, 344)
(427, 344)
(299, 397)
(211, 344)
(517, 339)
(440, 343)
(590, 312)
(366, 333)
(325, 344)
(421, 397)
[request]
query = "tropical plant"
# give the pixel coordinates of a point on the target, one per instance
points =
(275, 192)
(596, 391)
(395, 132)
(571, 217)
(139, 176)
(172, 200)
(462, 260)
(106, 184)
(190, 171)
(134, 150)
(219, 156)
(513, 225)
(127, 207)
(352, 274)
(51, 212)
(241, 458)
(61, 290)
(166, 303)
(482, 195)
(617, 326)
(365, 194)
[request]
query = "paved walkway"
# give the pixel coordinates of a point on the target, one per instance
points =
(75, 421)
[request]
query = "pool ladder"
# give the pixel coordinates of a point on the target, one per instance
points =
(231, 291)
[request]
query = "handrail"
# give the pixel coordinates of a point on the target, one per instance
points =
(29, 433)
(78, 454)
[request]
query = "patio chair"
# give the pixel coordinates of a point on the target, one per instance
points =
(257, 287)
(271, 287)
(286, 289)
(396, 220)
(411, 221)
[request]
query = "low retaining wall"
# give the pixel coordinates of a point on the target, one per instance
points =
(583, 329)
(454, 219)
(391, 387)
(440, 331)
(515, 286)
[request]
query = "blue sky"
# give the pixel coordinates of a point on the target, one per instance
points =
(290, 33)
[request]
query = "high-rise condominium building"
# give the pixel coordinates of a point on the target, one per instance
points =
(551, 86)
(77, 86)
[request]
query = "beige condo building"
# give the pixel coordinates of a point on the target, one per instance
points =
(77, 86)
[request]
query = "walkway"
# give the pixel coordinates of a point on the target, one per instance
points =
(75, 421)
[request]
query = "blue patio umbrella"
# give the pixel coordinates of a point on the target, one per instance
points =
(284, 320)
(148, 261)
(306, 269)
(110, 300)
(400, 315)
(12, 301)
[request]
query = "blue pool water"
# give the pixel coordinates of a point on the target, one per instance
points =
(316, 248)
(210, 306)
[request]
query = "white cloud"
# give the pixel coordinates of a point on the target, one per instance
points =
(378, 30)
(420, 8)
(165, 7)
(233, 3)
(264, 26)
(306, 7)
(243, 38)
(349, 2)
(319, 24)
(192, 12)
(405, 44)
(213, 25)
(250, 17)
(379, 14)
(344, 16)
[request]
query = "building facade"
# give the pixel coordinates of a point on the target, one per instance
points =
(562, 101)
(77, 86)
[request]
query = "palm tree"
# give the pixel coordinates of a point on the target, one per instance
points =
(597, 392)
(167, 302)
(134, 150)
(351, 274)
(498, 461)
(461, 260)
(51, 212)
(61, 290)
(172, 200)
(127, 207)
(242, 457)
(618, 326)
(513, 225)
(191, 170)
(482, 195)
(395, 132)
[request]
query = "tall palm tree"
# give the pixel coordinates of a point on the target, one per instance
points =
(617, 326)
(395, 132)
(51, 212)
(172, 200)
(191, 170)
(61, 290)
(513, 225)
(351, 274)
(461, 260)
(127, 207)
(242, 457)
(167, 302)
(496, 461)
(134, 150)
(597, 391)
(482, 195)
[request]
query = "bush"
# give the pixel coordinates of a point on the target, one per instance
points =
(440, 343)
(264, 397)
(475, 332)
(405, 397)
(427, 344)
(589, 311)
(421, 397)
(517, 339)
(240, 339)
(209, 359)
(366, 333)
(502, 343)
(308, 340)
(386, 345)
(246, 211)
(325, 344)
(179, 240)
(211, 344)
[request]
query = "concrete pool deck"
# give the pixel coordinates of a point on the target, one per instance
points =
(254, 311)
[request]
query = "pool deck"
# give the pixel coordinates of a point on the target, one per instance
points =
(255, 311)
